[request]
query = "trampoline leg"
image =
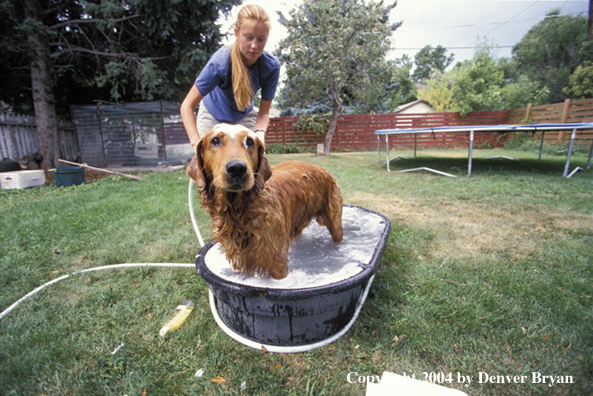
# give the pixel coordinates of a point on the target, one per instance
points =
(541, 145)
(567, 166)
(415, 140)
(378, 149)
(590, 155)
(471, 149)
(387, 149)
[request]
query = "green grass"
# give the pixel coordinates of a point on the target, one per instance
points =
(492, 274)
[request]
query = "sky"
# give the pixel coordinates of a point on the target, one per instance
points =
(454, 24)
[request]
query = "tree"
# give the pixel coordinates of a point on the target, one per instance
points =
(483, 83)
(401, 89)
(59, 52)
(335, 51)
(551, 51)
(580, 83)
(478, 83)
(429, 60)
(438, 91)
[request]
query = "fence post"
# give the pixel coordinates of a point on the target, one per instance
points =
(564, 118)
(101, 134)
(12, 134)
(528, 111)
(164, 135)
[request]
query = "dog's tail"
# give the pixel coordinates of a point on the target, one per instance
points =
(332, 216)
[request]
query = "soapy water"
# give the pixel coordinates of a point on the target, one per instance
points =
(315, 260)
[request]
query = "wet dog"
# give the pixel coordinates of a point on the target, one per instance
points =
(258, 210)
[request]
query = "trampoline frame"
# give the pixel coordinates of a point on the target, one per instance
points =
(472, 129)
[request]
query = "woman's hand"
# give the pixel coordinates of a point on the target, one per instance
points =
(261, 135)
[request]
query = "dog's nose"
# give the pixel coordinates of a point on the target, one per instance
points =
(236, 169)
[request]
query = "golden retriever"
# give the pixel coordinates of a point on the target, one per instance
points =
(257, 211)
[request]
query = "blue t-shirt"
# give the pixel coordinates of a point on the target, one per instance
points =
(215, 84)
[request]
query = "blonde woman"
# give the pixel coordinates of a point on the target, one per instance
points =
(234, 74)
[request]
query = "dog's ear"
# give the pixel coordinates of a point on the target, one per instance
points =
(195, 169)
(264, 172)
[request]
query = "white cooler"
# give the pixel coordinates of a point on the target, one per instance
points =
(22, 179)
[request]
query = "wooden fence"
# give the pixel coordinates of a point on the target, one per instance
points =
(357, 132)
(18, 137)
(567, 111)
(353, 132)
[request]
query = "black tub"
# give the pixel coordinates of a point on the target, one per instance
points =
(317, 300)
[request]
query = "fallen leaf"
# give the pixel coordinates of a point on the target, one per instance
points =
(219, 380)
(457, 348)
(546, 337)
(199, 373)
(57, 251)
(143, 393)
(399, 339)
(277, 366)
(264, 350)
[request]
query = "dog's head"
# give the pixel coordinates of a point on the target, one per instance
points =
(230, 158)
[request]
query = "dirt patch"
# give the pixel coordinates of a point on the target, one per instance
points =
(89, 175)
(464, 229)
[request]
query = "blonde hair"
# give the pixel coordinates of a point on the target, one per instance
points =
(248, 16)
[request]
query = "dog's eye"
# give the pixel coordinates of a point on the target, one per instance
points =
(249, 142)
(215, 142)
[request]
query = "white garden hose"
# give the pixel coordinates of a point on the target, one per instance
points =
(237, 337)
(37, 290)
(129, 265)
(190, 199)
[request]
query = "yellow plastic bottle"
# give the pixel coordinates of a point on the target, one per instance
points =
(177, 317)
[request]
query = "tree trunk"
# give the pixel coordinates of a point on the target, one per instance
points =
(43, 94)
(331, 128)
(590, 21)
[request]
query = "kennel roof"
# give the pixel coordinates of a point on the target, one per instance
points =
(138, 107)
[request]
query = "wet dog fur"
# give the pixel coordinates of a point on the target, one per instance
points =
(258, 210)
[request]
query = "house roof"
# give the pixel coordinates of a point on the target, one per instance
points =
(411, 104)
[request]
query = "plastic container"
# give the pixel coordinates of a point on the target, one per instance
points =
(9, 166)
(301, 309)
(68, 176)
(177, 317)
(22, 179)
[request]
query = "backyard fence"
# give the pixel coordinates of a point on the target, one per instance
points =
(18, 137)
(152, 133)
(565, 112)
(357, 132)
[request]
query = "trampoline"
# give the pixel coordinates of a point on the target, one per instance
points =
(473, 129)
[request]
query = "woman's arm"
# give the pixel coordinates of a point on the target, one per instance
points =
(263, 119)
(193, 98)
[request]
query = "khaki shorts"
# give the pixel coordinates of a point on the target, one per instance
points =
(205, 121)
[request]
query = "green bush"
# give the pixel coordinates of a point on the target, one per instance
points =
(293, 147)
(529, 143)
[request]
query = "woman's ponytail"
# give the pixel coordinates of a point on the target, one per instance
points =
(241, 82)
(242, 88)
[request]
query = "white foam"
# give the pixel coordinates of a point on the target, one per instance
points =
(315, 260)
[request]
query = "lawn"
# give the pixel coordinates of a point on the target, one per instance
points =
(484, 276)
